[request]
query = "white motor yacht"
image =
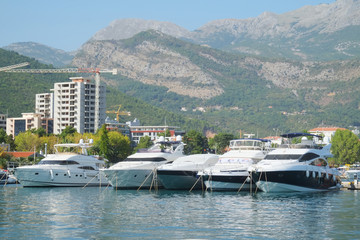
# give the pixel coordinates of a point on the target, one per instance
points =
(182, 173)
(230, 173)
(65, 168)
(139, 169)
(296, 167)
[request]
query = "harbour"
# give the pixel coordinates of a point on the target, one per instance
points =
(106, 213)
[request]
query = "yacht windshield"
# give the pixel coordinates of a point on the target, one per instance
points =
(58, 162)
(153, 159)
(282, 157)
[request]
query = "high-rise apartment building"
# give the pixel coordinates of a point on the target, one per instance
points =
(44, 104)
(80, 104)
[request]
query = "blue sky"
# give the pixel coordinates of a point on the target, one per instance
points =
(67, 24)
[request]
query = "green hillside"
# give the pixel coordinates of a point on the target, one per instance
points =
(250, 102)
(17, 91)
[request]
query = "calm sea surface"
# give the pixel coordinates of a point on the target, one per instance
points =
(104, 213)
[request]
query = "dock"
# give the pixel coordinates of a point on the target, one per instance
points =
(354, 185)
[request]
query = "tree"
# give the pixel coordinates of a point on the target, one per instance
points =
(220, 142)
(345, 147)
(104, 141)
(195, 142)
(145, 142)
(166, 133)
(119, 147)
(3, 136)
(27, 141)
(40, 131)
(68, 131)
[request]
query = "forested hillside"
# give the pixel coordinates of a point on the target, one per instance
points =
(17, 91)
(231, 91)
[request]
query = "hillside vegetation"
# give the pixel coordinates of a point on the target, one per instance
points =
(17, 91)
(236, 92)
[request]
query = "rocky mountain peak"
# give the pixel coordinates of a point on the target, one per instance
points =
(127, 28)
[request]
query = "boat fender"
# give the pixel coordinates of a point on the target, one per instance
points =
(85, 175)
(248, 179)
(307, 173)
(314, 174)
(51, 175)
(327, 175)
(319, 173)
(69, 173)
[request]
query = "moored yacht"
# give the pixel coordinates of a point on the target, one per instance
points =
(182, 173)
(296, 167)
(230, 173)
(6, 177)
(139, 169)
(65, 168)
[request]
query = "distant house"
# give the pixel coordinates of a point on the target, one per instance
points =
(327, 132)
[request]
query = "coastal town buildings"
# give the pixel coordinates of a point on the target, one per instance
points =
(138, 131)
(326, 132)
(21, 124)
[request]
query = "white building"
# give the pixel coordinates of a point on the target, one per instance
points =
(44, 104)
(28, 121)
(80, 104)
(326, 132)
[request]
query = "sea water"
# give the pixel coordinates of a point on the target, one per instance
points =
(106, 213)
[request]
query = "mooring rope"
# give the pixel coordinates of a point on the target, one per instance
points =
(242, 185)
(145, 180)
(196, 183)
(90, 181)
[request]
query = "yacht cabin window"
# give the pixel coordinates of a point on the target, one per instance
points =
(87, 168)
(154, 159)
(308, 156)
(319, 162)
(282, 156)
(58, 162)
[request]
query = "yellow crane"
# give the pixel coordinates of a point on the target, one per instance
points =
(118, 113)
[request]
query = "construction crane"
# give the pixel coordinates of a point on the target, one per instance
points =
(118, 113)
(7, 68)
(97, 72)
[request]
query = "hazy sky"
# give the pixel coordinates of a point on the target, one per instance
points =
(67, 24)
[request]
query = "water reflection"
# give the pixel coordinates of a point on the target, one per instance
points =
(94, 213)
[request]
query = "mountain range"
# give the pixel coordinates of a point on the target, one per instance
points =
(290, 71)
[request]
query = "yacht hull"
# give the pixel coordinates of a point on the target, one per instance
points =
(179, 179)
(295, 181)
(228, 182)
(132, 178)
(59, 178)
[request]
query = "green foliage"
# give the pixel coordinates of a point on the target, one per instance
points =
(40, 131)
(119, 147)
(27, 141)
(345, 147)
(145, 142)
(220, 142)
(104, 142)
(195, 142)
(66, 133)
